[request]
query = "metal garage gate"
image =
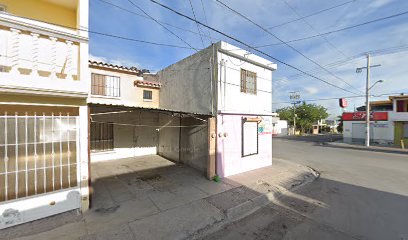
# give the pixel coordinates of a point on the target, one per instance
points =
(38, 156)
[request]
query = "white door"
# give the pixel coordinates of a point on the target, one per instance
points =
(39, 170)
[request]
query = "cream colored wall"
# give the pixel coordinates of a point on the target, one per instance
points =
(42, 11)
(130, 95)
(149, 104)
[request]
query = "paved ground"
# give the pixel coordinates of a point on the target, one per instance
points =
(152, 198)
(361, 194)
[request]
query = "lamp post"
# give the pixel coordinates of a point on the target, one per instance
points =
(359, 70)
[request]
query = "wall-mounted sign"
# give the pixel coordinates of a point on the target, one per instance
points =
(343, 102)
(361, 116)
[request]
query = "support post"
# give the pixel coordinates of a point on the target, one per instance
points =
(212, 142)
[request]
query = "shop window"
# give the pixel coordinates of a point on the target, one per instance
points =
(105, 85)
(249, 138)
(248, 82)
(147, 95)
(101, 137)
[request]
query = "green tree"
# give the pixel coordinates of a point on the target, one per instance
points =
(306, 115)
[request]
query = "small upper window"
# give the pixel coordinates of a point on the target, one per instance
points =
(147, 95)
(248, 82)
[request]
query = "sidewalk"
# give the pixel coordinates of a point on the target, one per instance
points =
(193, 209)
(373, 148)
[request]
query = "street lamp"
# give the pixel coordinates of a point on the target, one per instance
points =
(379, 81)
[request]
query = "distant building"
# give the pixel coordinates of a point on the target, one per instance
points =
(389, 122)
(279, 127)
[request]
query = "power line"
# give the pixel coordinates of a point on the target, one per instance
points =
(314, 29)
(293, 48)
(198, 26)
(143, 16)
(205, 19)
(107, 34)
(247, 45)
(336, 98)
(181, 39)
(313, 14)
(376, 52)
(337, 30)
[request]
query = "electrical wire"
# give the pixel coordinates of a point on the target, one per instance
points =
(313, 14)
(165, 23)
(105, 34)
(314, 29)
(336, 98)
(249, 46)
(198, 26)
(290, 46)
(337, 30)
(205, 19)
(152, 18)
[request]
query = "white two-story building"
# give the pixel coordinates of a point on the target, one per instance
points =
(43, 110)
(389, 122)
(235, 88)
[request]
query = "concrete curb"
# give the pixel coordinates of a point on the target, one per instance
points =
(252, 205)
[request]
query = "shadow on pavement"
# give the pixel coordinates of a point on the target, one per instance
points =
(325, 209)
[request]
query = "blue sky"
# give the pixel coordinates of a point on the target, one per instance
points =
(331, 51)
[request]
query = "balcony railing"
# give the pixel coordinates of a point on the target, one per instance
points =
(31, 51)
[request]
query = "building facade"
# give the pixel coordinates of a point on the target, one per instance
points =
(122, 105)
(389, 122)
(234, 87)
(43, 110)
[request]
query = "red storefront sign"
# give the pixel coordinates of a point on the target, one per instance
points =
(361, 116)
(343, 102)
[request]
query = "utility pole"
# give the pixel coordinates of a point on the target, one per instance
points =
(294, 97)
(367, 103)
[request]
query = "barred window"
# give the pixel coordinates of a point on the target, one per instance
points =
(248, 81)
(101, 137)
(105, 85)
(147, 95)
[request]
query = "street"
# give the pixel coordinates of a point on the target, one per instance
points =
(360, 194)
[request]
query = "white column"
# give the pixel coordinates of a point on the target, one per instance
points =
(15, 50)
(83, 161)
(53, 57)
(69, 66)
(35, 53)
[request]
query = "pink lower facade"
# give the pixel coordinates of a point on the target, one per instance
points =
(232, 156)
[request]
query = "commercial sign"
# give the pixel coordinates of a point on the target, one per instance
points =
(343, 102)
(361, 116)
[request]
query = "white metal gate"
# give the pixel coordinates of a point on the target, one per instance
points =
(38, 166)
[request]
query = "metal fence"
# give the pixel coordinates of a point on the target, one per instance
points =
(38, 154)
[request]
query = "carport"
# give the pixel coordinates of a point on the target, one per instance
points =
(135, 152)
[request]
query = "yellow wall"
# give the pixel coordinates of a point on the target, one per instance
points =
(43, 11)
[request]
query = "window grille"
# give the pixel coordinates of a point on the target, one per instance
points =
(101, 137)
(38, 154)
(248, 81)
(147, 95)
(105, 85)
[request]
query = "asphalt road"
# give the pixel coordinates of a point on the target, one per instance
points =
(361, 194)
